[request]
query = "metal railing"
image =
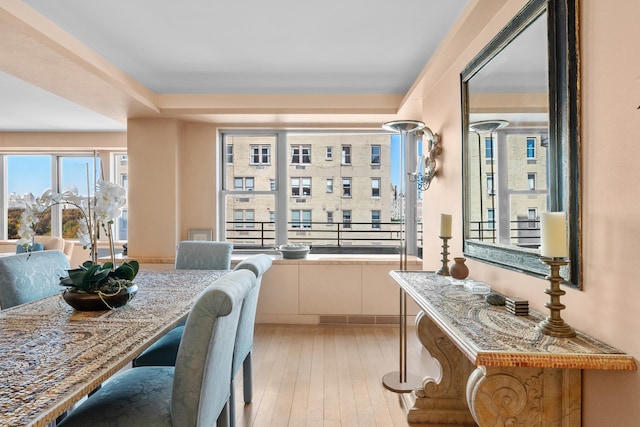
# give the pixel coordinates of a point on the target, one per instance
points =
(257, 234)
(525, 233)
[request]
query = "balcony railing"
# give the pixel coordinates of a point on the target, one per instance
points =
(256, 234)
(524, 233)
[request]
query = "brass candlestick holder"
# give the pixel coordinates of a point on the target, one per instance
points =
(444, 270)
(554, 325)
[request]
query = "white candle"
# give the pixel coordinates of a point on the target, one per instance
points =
(445, 225)
(553, 235)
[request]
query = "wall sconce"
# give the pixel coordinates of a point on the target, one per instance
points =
(428, 161)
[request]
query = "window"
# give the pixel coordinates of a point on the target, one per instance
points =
(329, 218)
(243, 183)
(488, 148)
(490, 188)
(244, 218)
(272, 185)
(300, 187)
(329, 185)
(301, 154)
(531, 179)
(272, 217)
(375, 154)
(346, 219)
(532, 216)
(60, 220)
(346, 187)
(300, 218)
(375, 187)
(328, 153)
(346, 154)
(260, 155)
(229, 154)
(491, 219)
(375, 219)
(531, 148)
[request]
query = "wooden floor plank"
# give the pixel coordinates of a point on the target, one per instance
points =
(324, 376)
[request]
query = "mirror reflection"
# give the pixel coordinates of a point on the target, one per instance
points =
(519, 133)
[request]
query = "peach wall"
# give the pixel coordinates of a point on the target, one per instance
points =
(606, 308)
(154, 156)
(198, 183)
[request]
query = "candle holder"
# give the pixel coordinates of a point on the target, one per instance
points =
(444, 270)
(554, 325)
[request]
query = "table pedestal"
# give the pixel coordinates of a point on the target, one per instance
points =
(461, 394)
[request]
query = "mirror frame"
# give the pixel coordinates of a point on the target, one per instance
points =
(564, 138)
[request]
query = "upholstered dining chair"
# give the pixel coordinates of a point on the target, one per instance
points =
(190, 255)
(27, 277)
(164, 351)
(193, 393)
(203, 255)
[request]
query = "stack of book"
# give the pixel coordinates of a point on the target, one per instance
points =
(517, 306)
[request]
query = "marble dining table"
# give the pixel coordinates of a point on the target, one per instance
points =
(51, 356)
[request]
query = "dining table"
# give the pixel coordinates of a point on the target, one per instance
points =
(51, 356)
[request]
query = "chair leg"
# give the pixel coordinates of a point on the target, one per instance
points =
(247, 378)
(223, 419)
(232, 404)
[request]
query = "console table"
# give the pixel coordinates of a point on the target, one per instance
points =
(493, 368)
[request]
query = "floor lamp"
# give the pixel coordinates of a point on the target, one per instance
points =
(400, 381)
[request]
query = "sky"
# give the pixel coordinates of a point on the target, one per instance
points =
(33, 173)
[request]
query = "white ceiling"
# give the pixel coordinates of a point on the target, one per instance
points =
(237, 47)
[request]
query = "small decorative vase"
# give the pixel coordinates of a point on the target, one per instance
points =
(88, 301)
(459, 269)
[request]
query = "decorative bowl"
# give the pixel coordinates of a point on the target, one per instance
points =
(294, 251)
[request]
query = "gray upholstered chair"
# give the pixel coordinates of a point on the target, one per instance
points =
(196, 391)
(27, 277)
(202, 255)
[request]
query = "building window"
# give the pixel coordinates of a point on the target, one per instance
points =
(490, 188)
(491, 219)
(346, 219)
(243, 183)
(375, 219)
(272, 217)
(375, 154)
(260, 155)
(531, 148)
(229, 154)
(375, 187)
(346, 187)
(346, 154)
(329, 153)
(532, 216)
(300, 187)
(301, 154)
(300, 218)
(531, 180)
(272, 185)
(488, 148)
(329, 218)
(244, 218)
(329, 185)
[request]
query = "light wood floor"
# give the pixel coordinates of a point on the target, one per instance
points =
(309, 375)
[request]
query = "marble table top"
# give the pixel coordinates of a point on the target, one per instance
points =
(51, 355)
(491, 336)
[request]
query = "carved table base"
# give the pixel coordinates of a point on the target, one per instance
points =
(458, 393)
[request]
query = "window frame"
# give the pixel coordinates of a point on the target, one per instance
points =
(348, 188)
(379, 155)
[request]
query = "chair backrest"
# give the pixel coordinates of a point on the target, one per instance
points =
(258, 264)
(203, 255)
(30, 276)
(203, 365)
